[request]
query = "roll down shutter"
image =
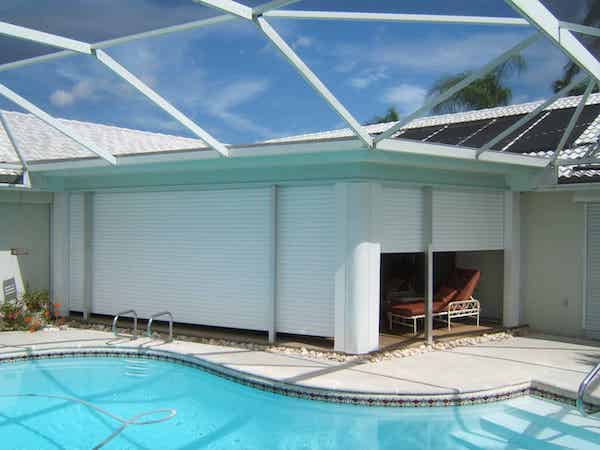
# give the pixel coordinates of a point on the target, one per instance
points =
(468, 220)
(306, 250)
(76, 250)
(203, 255)
(402, 220)
(592, 306)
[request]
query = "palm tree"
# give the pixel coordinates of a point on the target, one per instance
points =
(391, 115)
(592, 19)
(487, 92)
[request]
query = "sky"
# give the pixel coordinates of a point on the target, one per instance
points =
(233, 83)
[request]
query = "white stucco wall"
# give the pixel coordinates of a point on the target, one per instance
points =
(24, 224)
(552, 242)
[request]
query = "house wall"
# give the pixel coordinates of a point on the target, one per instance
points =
(490, 289)
(367, 212)
(552, 240)
(25, 224)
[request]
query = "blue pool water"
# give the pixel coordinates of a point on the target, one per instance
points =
(213, 413)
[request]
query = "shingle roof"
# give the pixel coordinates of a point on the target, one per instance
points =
(39, 142)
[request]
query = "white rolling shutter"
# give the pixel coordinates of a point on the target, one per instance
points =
(306, 247)
(468, 220)
(402, 220)
(203, 255)
(592, 306)
(76, 249)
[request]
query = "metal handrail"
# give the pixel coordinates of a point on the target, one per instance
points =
(154, 316)
(583, 387)
(135, 319)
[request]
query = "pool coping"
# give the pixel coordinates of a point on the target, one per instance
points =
(532, 388)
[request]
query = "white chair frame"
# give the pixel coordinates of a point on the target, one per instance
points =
(461, 308)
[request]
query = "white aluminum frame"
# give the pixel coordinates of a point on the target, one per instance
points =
(394, 17)
(28, 34)
(532, 12)
(49, 120)
(13, 142)
(489, 67)
(538, 15)
(583, 29)
(573, 121)
(10, 166)
(313, 80)
(579, 161)
(144, 89)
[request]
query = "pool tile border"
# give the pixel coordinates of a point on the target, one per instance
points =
(298, 391)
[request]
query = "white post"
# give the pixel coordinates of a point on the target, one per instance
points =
(67, 272)
(88, 230)
(512, 260)
(274, 266)
(428, 235)
(357, 275)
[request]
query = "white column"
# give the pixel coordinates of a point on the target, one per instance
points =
(428, 245)
(512, 260)
(274, 266)
(357, 275)
(88, 229)
(59, 251)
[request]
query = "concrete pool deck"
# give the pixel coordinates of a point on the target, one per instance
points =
(491, 369)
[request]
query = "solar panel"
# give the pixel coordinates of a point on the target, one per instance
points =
(490, 132)
(457, 133)
(532, 137)
(420, 134)
(546, 135)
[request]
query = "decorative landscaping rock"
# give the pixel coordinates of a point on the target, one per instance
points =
(446, 345)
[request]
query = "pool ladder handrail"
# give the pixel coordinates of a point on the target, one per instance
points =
(135, 321)
(154, 316)
(583, 387)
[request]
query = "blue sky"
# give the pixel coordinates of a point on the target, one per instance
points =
(231, 81)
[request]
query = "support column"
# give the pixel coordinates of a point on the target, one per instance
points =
(88, 229)
(428, 237)
(274, 266)
(512, 260)
(357, 274)
(59, 251)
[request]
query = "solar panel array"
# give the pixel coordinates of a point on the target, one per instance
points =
(543, 133)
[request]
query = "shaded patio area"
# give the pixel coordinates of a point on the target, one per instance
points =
(388, 340)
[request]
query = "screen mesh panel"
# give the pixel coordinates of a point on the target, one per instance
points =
(91, 21)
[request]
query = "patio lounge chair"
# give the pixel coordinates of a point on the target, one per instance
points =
(452, 300)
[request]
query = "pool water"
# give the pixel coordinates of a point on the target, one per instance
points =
(214, 413)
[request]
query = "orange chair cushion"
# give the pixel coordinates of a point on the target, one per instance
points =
(440, 302)
(465, 280)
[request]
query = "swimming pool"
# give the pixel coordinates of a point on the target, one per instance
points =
(215, 413)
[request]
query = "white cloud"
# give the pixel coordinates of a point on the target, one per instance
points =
(224, 101)
(405, 97)
(303, 42)
(367, 77)
(433, 53)
(82, 90)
